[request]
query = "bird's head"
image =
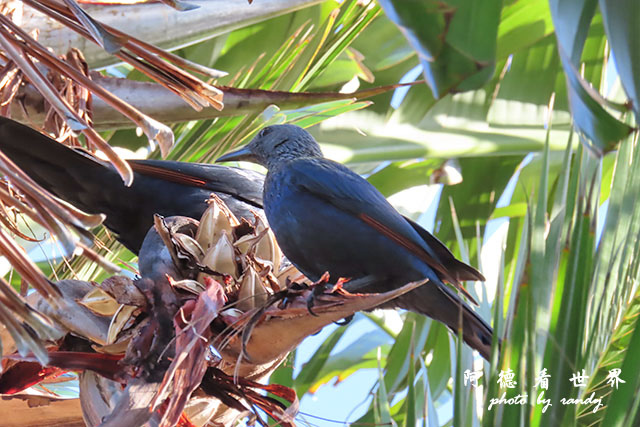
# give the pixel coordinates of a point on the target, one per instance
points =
(276, 144)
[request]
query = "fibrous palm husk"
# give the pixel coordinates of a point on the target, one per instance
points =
(193, 339)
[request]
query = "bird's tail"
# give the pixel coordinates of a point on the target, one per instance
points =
(475, 331)
(441, 303)
(65, 172)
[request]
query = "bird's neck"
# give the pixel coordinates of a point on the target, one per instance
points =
(284, 159)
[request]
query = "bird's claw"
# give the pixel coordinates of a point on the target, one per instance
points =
(345, 321)
(317, 288)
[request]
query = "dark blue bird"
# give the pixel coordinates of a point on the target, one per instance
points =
(327, 218)
(164, 187)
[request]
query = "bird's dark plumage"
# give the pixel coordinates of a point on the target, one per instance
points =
(327, 218)
(164, 187)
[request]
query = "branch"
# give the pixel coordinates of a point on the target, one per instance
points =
(163, 105)
(158, 24)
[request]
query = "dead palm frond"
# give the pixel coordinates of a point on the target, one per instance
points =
(195, 345)
(234, 317)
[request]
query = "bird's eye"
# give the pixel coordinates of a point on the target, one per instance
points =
(264, 132)
(280, 143)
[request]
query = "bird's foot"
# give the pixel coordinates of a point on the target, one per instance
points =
(345, 321)
(317, 288)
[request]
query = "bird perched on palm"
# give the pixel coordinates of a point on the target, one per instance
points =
(327, 218)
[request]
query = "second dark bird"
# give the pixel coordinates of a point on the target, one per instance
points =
(167, 188)
(327, 218)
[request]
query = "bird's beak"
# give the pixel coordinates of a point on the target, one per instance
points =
(243, 153)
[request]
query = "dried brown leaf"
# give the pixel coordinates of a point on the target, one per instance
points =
(120, 320)
(29, 330)
(221, 383)
(157, 132)
(104, 364)
(18, 258)
(253, 293)
(194, 91)
(188, 285)
(214, 222)
(100, 302)
(93, 256)
(221, 258)
(10, 81)
(133, 407)
(192, 345)
(99, 34)
(14, 49)
(72, 316)
(267, 334)
(124, 291)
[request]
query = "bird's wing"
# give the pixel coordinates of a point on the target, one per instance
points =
(349, 192)
(244, 185)
(462, 271)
